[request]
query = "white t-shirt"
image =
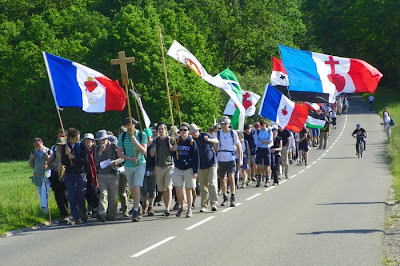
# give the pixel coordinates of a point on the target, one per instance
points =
(371, 98)
(226, 144)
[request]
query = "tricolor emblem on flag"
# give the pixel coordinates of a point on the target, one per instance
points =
(278, 108)
(75, 85)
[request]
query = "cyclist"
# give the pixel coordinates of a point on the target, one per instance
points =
(360, 134)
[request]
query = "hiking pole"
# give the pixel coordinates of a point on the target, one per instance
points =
(47, 194)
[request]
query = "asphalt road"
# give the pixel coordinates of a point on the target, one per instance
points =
(331, 212)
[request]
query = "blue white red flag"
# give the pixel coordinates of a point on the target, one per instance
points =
(278, 108)
(309, 71)
(75, 85)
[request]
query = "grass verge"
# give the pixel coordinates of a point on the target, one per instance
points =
(19, 200)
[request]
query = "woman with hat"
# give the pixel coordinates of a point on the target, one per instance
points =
(57, 180)
(92, 195)
(106, 159)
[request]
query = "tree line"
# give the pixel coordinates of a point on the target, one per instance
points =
(239, 34)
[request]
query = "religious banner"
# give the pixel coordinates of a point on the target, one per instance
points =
(75, 85)
(181, 54)
(309, 71)
(146, 118)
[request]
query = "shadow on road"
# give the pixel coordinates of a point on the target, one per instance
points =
(355, 203)
(352, 231)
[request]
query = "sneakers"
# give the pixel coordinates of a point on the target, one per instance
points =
(305, 162)
(214, 208)
(266, 184)
(166, 213)
(125, 214)
(100, 218)
(203, 209)
(145, 208)
(63, 220)
(150, 211)
(300, 164)
(135, 216)
(225, 203)
(189, 213)
(176, 206)
(233, 204)
(140, 212)
(179, 213)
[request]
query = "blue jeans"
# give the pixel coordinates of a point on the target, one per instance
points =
(76, 189)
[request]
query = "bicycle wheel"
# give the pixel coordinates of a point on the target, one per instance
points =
(361, 149)
(358, 149)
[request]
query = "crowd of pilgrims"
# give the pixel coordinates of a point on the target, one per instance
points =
(156, 165)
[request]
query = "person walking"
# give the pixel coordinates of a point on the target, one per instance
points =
(106, 160)
(276, 155)
(38, 160)
(57, 180)
(149, 184)
(228, 149)
(161, 149)
(74, 157)
(207, 176)
(132, 147)
(263, 140)
(187, 164)
(284, 134)
(92, 193)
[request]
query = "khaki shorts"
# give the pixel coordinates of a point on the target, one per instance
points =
(163, 177)
(135, 175)
(180, 177)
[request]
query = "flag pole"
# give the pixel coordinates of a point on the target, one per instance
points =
(286, 83)
(166, 84)
(136, 105)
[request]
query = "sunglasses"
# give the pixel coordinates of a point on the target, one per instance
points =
(183, 129)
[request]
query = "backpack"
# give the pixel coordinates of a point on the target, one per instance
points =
(391, 123)
(219, 142)
(124, 136)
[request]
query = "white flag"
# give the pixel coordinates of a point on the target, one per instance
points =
(249, 102)
(181, 54)
(146, 118)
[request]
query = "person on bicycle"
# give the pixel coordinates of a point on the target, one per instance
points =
(360, 134)
(371, 101)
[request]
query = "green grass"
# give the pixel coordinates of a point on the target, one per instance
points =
(19, 200)
(390, 97)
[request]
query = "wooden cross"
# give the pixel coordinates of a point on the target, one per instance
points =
(176, 98)
(122, 61)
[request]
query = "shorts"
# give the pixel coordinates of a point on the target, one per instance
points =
(315, 132)
(334, 121)
(164, 177)
(303, 146)
(181, 177)
(135, 175)
(263, 156)
(226, 168)
(245, 165)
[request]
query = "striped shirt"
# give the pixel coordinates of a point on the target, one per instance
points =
(128, 148)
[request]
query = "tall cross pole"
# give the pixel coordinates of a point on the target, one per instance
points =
(122, 61)
(176, 98)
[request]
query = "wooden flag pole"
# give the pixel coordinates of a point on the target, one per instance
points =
(166, 83)
(62, 126)
(176, 98)
(122, 61)
(136, 105)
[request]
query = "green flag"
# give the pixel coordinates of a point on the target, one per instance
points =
(237, 118)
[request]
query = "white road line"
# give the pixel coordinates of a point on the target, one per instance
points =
(301, 171)
(308, 166)
(230, 208)
(252, 197)
(282, 181)
(200, 223)
(314, 162)
(269, 188)
(292, 176)
(152, 247)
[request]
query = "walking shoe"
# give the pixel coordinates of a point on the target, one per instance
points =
(189, 213)
(176, 206)
(150, 211)
(203, 209)
(94, 214)
(166, 213)
(179, 213)
(266, 184)
(145, 208)
(305, 162)
(63, 220)
(135, 216)
(225, 203)
(140, 211)
(131, 211)
(84, 216)
(125, 214)
(214, 208)
(233, 204)
(100, 218)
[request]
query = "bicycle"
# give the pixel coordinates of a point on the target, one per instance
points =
(360, 146)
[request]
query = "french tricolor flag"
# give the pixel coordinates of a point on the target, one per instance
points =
(278, 108)
(75, 85)
(309, 71)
